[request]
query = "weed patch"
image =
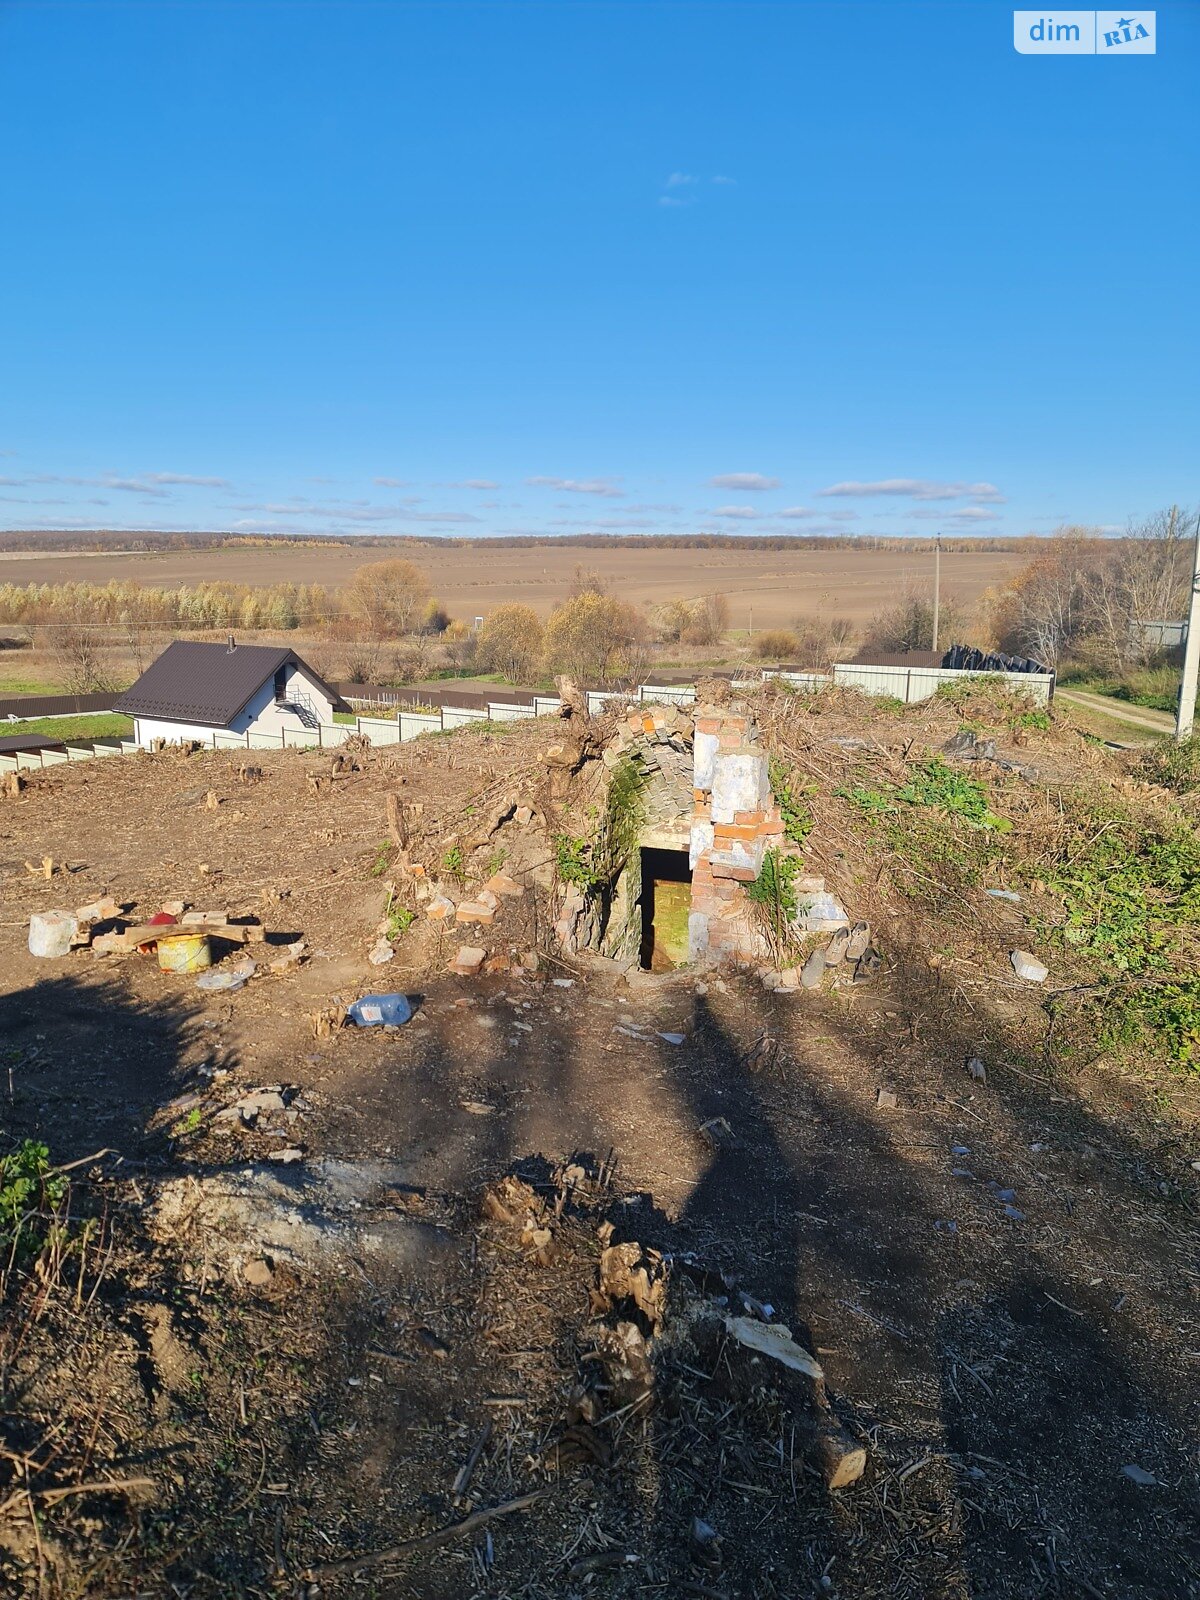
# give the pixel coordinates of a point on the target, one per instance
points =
(1174, 766)
(31, 1195)
(773, 895)
(789, 797)
(1130, 890)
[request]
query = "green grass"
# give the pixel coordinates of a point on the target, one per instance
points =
(1155, 688)
(102, 725)
(13, 683)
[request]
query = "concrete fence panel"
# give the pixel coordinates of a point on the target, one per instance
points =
(498, 711)
(414, 723)
(458, 716)
(380, 730)
(674, 694)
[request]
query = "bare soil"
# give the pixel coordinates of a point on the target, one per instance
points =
(766, 588)
(1002, 1367)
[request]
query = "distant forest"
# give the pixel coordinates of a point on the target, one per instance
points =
(98, 540)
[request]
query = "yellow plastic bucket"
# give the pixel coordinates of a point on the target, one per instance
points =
(185, 952)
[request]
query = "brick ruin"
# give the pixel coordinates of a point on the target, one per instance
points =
(735, 821)
(708, 796)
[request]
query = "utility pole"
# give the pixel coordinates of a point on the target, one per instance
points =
(1185, 713)
(937, 585)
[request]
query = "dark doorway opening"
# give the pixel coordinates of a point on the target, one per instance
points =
(666, 901)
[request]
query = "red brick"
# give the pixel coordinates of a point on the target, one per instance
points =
(740, 874)
(732, 830)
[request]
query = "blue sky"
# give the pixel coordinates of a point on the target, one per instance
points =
(475, 269)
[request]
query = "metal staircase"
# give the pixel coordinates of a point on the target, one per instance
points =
(302, 706)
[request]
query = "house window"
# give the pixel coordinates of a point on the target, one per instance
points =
(281, 678)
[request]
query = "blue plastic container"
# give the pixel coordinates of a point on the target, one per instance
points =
(380, 1011)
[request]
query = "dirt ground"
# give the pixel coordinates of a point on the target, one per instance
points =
(765, 588)
(999, 1277)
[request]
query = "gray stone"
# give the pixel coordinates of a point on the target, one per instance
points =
(813, 970)
(1028, 967)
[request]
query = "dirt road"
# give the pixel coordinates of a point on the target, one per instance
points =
(1119, 710)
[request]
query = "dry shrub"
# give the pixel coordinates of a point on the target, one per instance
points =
(510, 642)
(907, 624)
(822, 640)
(776, 644)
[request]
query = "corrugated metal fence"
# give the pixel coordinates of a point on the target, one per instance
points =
(457, 708)
(27, 706)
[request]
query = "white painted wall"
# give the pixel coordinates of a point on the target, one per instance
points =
(260, 715)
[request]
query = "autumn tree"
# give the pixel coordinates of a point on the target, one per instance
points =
(510, 642)
(596, 638)
(1045, 609)
(388, 597)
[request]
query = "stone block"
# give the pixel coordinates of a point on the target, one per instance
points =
(700, 840)
(740, 783)
(704, 755)
(698, 936)
(821, 913)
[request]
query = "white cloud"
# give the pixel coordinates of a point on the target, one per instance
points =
(742, 513)
(153, 485)
(678, 180)
(796, 512)
(150, 491)
(338, 511)
(390, 483)
(475, 483)
(186, 478)
(917, 489)
(963, 514)
(600, 486)
(743, 480)
(675, 200)
(720, 178)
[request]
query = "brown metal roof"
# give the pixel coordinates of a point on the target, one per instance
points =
(206, 683)
(27, 743)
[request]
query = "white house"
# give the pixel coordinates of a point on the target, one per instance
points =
(193, 691)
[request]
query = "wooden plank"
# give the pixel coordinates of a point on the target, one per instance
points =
(161, 932)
